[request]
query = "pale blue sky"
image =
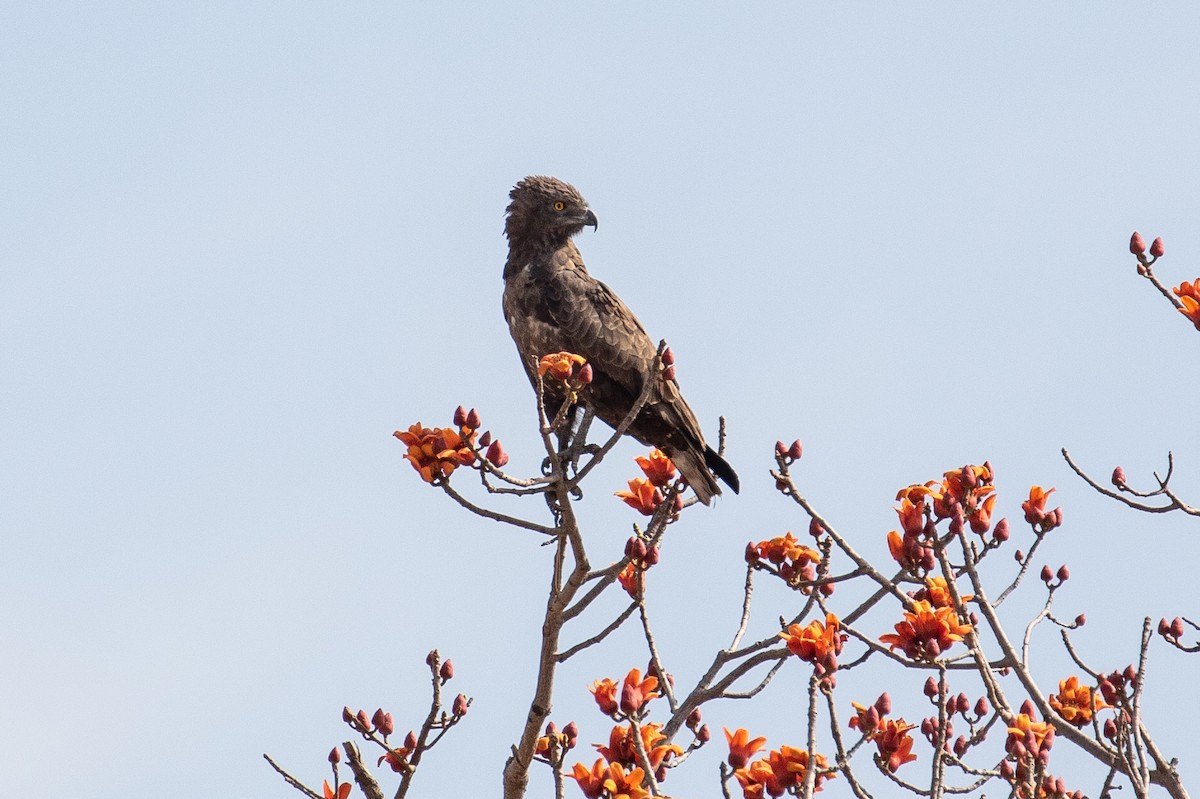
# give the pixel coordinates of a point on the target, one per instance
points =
(241, 243)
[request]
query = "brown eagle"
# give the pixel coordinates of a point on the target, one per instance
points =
(553, 305)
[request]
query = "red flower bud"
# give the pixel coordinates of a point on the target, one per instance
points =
(410, 741)
(431, 657)
(703, 734)
(960, 745)
(1156, 247)
(1129, 674)
(1177, 627)
(827, 589)
(669, 373)
(1063, 573)
(473, 420)
(1137, 245)
(781, 449)
(1006, 771)
(677, 503)
(796, 450)
(335, 755)
(347, 715)
(1027, 708)
(461, 703)
(1164, 627)
(1000, 533)
(661, 774)
(572, 733)
(815, 529)
(1080, 620)
(460, 416)
(585, 374)
(961, 703)
(551, 728)
(377, 718)
(446, 672)
(1110, 729)
(1108, 691)
(931, 687)
(883, 704)
(693, 719)
(969, 478)
(1118, 476)
(485, 439)
(635, 548)
(363, 722)
(496, 454)
(1018, 556)
(651, 556)
(1047, 575)
(981, 707)
(927, 559)
(751, 553)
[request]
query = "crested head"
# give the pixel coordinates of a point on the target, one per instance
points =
(544, 213)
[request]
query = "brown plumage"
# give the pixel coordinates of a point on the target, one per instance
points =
(553, 305)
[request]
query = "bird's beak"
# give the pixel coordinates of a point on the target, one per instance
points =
(590, 219)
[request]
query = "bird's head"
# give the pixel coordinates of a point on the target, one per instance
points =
(546, 211)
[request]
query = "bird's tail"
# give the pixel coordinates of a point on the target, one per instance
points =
(722, 468)
(695, 468)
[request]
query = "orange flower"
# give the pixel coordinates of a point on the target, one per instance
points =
(342, 792)
(816, 643)
(864, 720)
(560, 365)
(605, 692)
(543, 744)
(937, 593)
(642, 496)
(630, 579)
(1035, 506)
(741, 748)
(795, 761)
(658, 468)
(591, 781)
(622, 785)
(1075, 702)
(396, 759)
(781, 770)
(926, 632)
(909, 552)
(916, 494)
(912, 516)
(1191, 308)
(894, 742)
(620, 747)
(1028, 737)
(434, 452)
(981, 518)
(636, 692)
(786, 549)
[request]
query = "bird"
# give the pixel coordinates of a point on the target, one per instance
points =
(553, 305)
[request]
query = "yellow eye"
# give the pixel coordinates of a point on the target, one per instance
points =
(558, 205)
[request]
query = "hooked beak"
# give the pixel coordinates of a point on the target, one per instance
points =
(590, 219)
